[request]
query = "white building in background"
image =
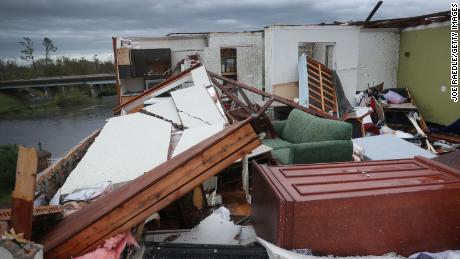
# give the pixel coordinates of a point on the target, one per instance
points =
(361, 57)
(267, 59)
(237, 55)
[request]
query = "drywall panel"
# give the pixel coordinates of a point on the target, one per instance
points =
(165, 108)
(193, 136)
(127, 147)
(200, 77)
(281, 53)
(154, 100)
(196, 107)
(378, 58)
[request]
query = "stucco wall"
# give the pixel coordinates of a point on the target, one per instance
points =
(249, 52)
(424, 67)
(378, 58)
(281, 52)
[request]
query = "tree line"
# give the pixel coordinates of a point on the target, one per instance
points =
(47, 66)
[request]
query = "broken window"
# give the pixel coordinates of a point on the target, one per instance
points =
(228, 62)
(322, 52)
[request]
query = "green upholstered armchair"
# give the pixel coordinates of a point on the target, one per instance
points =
(304, 138)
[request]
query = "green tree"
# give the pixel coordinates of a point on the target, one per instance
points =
(49, 47)
(28, 51)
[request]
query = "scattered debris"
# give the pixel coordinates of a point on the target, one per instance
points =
(388, 146)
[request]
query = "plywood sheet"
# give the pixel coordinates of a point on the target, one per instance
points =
(200, 77)
(288, 91)
(127, 147)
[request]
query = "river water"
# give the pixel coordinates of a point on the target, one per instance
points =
(57, 131)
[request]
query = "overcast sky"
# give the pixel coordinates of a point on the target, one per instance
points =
(85, 27)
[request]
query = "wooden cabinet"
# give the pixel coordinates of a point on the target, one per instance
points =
(368, 208)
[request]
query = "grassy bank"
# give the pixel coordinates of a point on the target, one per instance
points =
(10, 103)
(8, 158)
(14, 104)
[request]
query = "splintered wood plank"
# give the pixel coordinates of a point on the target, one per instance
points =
(132, 203)
(24, 191)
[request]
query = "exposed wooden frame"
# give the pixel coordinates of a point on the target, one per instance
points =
(132, 203)
(311, 110)
(320, 84)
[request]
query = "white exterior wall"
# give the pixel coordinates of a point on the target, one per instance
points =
(249, 51)
(378, 58)
(361, 56)
(281, 53)
(250, 65)
(180, 46)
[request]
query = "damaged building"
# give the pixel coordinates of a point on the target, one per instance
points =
(296, 141)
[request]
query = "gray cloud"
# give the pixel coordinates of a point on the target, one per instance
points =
(85, 27)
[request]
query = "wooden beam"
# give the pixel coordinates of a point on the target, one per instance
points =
(24, 191)
(231, 96)
(376, 7)
(279, 99)
(321, 87)
(132, 203)
(245, 97)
